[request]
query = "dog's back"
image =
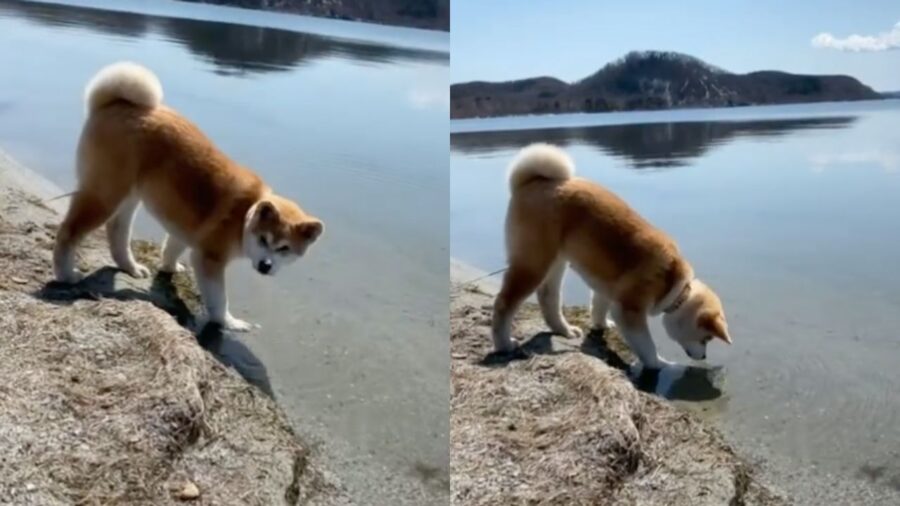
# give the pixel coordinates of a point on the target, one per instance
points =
(132, 143)
(552, 213)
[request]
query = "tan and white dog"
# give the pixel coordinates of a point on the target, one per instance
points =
(635, 270)
(135, 150)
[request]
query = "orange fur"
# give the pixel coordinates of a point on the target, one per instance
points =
(634, 268)
(134, 149)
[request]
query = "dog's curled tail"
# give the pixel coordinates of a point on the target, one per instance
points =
(124, 81)
(540, 161)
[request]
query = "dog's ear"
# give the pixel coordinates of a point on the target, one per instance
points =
(309, 230)
(266, 212)
(715, 325)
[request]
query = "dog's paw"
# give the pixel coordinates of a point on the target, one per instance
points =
(606, 324)
(509, 347)
(656, 364)
(138, 271)
(574, 332)
(172, 269)
(238, 325)
(70, 278)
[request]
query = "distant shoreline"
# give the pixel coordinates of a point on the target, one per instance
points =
(681, 115)
(651, 80)
(356, 31)
(424, 14)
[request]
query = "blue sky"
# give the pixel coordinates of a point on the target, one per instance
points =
(510, 39)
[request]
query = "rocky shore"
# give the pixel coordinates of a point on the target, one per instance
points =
(562, 424)
(109, 398)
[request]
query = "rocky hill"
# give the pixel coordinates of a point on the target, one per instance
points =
(428, 14)
(650, 80)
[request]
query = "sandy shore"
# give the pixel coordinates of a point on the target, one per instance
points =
(107, 399)
(562, 424)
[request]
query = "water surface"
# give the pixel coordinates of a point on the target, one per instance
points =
(348, 119)
(791, 213)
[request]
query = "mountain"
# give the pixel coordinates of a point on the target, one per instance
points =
(428, 14)
(650, 80)
(890, 94)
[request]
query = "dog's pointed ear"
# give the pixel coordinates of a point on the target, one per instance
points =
(266, 211)
(715, 325)
(309, 230)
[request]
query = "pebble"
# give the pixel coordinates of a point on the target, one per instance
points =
(188, 492)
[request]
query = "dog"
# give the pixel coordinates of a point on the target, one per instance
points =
(133, 150)
(634, 269)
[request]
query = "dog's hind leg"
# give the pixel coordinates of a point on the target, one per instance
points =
(118, 232)
(548, 296)
(519, 281)
(86, 213)
(599, 310)
(172, 249)
(633, 326)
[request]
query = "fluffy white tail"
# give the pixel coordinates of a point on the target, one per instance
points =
(123, 81)
(540, 161)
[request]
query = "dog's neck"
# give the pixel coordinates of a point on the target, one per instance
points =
(679, 299)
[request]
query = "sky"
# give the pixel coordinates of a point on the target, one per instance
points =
(499, 40)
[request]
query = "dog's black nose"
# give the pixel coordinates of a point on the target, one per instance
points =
(264, 266)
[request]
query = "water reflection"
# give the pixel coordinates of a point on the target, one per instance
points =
(232, 48)
(654, 145)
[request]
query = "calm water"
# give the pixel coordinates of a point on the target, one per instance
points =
(353, 126)
(791, 214)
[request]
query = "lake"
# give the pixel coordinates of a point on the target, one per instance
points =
(791, 213)
(347, 118)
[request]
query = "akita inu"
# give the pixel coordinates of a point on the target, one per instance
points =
(135, 150)
(633, 268)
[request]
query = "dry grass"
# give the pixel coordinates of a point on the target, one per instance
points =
(562, 427)
(109, 401)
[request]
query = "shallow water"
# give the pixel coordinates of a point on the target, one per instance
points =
(791, 213)
(347, 118)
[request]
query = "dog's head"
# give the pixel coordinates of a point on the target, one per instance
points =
(277, 232)
(698, 320)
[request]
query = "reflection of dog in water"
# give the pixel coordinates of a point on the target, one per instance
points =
(135, 150)
(634, 269)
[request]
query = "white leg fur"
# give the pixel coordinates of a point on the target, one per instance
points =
(118, 232)
(548, 295)
(501, 328)
(172, 250)
(636, 332)
(64, 266)
(215, 298)
(599, 312)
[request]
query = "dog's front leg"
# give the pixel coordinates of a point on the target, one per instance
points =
(633, 326)
(210, 273)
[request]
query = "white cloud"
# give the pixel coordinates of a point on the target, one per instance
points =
(881, 42)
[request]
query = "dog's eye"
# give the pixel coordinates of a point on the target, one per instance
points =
(283, 249)
(263, 241)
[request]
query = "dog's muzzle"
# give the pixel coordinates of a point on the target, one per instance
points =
(264, 266)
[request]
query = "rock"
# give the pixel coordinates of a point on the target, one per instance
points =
(188, 492)
(114, 399)
(558, 425)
